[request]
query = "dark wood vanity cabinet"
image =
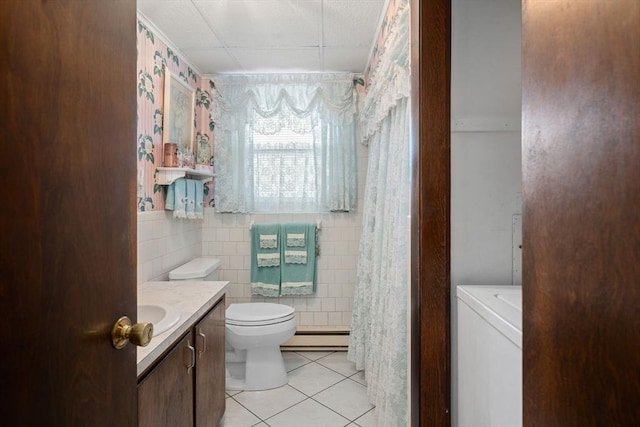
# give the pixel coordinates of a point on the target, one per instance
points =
(185, 388)
(210, 368)
(165, 395)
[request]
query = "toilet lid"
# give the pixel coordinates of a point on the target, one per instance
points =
(258, 313)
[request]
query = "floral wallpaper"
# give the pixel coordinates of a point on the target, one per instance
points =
(392, 9)
(154, 57)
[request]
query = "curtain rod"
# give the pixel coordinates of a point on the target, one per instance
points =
(242, 79)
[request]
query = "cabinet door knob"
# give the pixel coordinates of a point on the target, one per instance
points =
(204, 343)
(139, 334)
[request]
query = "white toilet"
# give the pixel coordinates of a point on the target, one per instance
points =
(254, 332)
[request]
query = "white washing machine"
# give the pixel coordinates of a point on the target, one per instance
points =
(489, 356)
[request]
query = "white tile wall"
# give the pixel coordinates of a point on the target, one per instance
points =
(227, 237)
(165, 243)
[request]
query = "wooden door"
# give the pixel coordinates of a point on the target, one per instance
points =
(165, 395)
(581, 212)
(210, 367)
(68, 224)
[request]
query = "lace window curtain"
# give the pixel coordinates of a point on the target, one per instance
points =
(378, 340)
(302, 123)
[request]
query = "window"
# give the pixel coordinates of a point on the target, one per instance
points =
(285, 143)
(285, 172)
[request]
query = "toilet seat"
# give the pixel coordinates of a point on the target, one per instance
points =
(258, 314)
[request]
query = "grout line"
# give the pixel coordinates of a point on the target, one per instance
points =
(324, 389)
(316, 360)
(286, 409)
(249, 410)
(307, 396)
(370, 410)
(333, 410)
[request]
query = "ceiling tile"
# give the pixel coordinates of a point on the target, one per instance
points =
(272, 60)
(212, 60)
(266, 23)
(268, 35)
(180, 21)
(350, 23)
(345, 59)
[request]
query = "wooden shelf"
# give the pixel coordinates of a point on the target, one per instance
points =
(165, 176)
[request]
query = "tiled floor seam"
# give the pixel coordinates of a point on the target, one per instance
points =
(302, 401)
(346, 376)
(307, 397)
(295, 404)
(332, 359)
(362, 415)
(248, 410)
(319, 391)
(336, 412)
(333, 410)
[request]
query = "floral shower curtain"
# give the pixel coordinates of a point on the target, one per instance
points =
(313, 115)
(378, 341)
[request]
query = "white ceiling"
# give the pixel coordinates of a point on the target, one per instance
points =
(241, 36)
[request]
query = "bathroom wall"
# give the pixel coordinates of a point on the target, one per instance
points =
(485, 147)
(163, 243)
(226, 236)
(485, 158)
(156, 55)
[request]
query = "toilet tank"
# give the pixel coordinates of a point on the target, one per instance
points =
(198, 269)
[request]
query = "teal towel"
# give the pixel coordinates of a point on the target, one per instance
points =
(265, 260)
(185, 198)
(170, 201)
(190, 205)
(199, 200)
(177, 198)
(298, 271)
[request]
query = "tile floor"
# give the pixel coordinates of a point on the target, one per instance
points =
(324, 390)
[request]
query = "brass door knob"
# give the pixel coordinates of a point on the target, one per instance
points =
(139, 334)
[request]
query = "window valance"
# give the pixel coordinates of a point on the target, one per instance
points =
(269, 102)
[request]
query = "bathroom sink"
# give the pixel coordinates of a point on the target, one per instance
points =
(162, 316)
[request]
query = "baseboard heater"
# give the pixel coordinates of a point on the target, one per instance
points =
(318, 339)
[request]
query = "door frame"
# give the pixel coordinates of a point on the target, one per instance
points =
(430, 305)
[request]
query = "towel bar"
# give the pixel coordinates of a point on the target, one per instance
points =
(318, 224)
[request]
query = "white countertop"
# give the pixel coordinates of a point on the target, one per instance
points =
(191, 299)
